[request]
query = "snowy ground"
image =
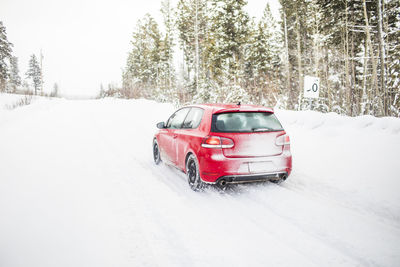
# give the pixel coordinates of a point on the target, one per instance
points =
(78, 187)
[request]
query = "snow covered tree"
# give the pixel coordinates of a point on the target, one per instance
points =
(301, 49)
(230, 33)
(167, 91)
(15, 79)
(264, 59)
(34, 73)
(192, 24)
(25, 87)
(269, 42)
(5, 55)
(142, 71)
(342, 26)
(55, 91)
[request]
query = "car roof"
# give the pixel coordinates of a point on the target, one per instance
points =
(223, 108)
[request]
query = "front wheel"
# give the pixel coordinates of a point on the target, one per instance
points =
(193, 175)
(156, 152)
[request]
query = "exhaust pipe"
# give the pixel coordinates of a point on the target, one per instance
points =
(284, 177)
(222, 182)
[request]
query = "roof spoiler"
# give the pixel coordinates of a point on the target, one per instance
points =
(244, 109)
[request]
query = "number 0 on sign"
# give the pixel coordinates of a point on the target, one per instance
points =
(311, 87)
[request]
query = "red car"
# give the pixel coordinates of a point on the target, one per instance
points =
(223, 144)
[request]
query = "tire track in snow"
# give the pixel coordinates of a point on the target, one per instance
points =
(284, 228)
(336, 229)
(320, 191)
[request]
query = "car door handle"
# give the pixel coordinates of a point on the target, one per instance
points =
(175, 136)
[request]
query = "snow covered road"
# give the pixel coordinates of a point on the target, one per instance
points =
(78, 187)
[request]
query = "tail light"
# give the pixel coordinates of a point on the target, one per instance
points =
(217, 142)
(282, 140)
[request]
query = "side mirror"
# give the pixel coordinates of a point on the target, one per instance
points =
(161, 125)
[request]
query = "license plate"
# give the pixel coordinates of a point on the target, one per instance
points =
(257, 167)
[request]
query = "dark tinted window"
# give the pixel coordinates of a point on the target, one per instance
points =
(245, 122)
(193, 119)
(176, 120)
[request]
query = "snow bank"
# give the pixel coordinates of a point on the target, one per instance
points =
(313, 120)
(357, 156)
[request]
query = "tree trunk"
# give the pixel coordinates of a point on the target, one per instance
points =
(382, 57)
(196, 33)
(287, 64)
(366, 93)
(354, 101)
(299, 65)
(328, 87)
(346, 62)
(316, 42)
(371, 50)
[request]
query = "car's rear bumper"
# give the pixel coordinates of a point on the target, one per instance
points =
(249, 178)
(215, 167)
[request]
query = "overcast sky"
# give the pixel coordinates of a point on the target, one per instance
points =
(84, 42)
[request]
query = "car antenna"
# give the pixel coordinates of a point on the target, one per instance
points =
(238, 103)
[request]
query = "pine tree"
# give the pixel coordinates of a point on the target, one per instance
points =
(230, 33)
(34, 73)
(15, 79)
(294, 11)
(192, 24)
(55, 91)
(5, 55)
(264, 56)
(167, 71)
(143, 68)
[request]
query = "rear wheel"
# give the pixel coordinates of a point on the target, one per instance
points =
(156, 152)
(193, 175)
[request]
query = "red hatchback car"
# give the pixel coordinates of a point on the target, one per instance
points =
(224, 144)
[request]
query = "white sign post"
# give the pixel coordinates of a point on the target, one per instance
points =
(311, 87)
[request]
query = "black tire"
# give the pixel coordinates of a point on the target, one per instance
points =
(193, 174)
(156, 152)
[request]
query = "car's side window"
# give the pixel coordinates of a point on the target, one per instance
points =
(176, 120)
(193, 119)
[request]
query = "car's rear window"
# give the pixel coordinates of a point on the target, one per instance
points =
(234, 122)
